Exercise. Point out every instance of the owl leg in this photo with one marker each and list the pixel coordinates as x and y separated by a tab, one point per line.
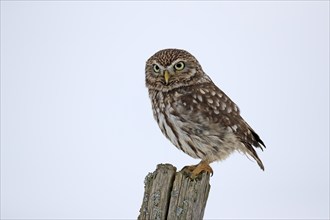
195	170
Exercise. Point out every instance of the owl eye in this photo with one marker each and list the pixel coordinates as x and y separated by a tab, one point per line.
156	68
179	66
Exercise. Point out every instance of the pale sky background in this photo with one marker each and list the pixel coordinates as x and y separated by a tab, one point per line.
77	132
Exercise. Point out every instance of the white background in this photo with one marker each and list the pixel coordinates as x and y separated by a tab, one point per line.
77	132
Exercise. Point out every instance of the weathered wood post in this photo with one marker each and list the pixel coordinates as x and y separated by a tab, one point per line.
174	195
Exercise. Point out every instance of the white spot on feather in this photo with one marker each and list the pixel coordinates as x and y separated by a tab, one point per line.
223	106
200	98
234	127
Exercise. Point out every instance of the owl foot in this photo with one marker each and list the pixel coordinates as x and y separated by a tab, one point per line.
194	170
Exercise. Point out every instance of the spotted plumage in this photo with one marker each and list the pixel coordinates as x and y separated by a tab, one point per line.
193	113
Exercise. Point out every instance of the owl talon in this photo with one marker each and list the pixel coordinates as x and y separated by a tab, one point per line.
195	170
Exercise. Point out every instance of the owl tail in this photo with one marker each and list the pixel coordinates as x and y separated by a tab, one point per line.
257	142
251	152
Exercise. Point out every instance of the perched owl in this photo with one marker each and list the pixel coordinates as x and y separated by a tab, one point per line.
193	113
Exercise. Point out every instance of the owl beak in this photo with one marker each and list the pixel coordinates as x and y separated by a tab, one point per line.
166	76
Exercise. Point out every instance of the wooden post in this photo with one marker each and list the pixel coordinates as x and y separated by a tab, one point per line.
173	195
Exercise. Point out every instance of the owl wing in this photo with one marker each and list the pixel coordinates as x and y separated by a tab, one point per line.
211	109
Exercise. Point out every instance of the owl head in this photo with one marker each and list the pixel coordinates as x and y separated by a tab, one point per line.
173	68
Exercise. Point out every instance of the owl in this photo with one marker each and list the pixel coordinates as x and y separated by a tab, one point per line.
194	114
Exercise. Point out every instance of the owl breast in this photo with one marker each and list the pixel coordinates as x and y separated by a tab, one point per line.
179	117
